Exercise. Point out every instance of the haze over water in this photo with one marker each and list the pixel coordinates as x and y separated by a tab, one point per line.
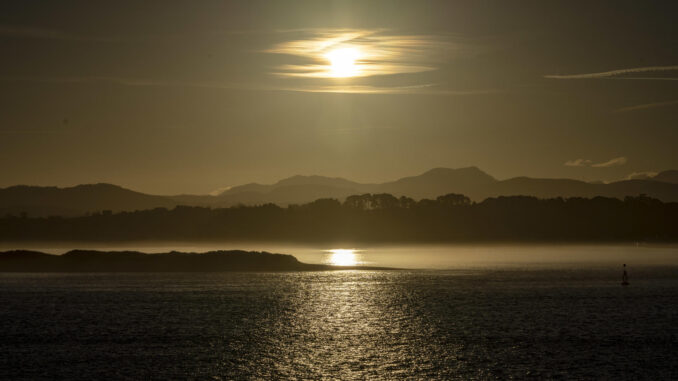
431	257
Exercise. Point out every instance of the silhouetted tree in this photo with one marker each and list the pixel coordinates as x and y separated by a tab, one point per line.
453	199
406	202
373	217
359	202
384	201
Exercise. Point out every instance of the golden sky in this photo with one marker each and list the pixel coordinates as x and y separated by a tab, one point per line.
171	97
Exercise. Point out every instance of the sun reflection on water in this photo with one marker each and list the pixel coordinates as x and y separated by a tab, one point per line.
343	257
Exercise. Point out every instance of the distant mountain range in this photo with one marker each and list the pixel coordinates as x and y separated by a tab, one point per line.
77	200
471	181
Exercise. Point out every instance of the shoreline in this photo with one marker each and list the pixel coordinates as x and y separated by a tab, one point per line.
173	261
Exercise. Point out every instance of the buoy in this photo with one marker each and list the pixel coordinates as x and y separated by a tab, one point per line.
625	277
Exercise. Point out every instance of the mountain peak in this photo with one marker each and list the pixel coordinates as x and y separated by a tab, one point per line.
668	176
315	180
470	171
100	186
439	181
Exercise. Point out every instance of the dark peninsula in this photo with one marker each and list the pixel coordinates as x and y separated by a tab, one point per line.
134	261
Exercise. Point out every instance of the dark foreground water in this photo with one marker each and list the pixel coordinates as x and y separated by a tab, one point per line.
473	324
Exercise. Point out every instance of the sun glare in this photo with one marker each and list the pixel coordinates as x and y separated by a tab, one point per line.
343	257
343	62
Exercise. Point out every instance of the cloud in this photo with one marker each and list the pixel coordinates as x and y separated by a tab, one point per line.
32	131
133	82
641	175
379	52
649	78
589	163
616	73
427	89
578	163
44	33
303	65
611	163
219	191
646	106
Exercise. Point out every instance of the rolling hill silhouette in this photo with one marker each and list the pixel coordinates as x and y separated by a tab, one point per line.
77	200
439	181
471	181
670	176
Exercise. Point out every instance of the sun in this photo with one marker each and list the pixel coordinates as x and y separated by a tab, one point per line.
343	257
343	62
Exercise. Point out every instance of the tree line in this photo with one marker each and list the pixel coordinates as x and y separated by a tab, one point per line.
373	218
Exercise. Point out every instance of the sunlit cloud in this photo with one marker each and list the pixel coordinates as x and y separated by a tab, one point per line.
578	163
641	175
19	31
428	89
618	72
648	78
353	61
219	191
425	89
359	53
122	81
589	163
611	163
646	106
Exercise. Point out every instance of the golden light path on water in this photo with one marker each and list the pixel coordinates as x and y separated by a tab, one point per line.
343	257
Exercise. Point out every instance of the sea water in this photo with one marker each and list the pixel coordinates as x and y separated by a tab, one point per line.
483	320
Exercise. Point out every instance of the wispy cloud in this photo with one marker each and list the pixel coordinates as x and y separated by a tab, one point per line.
304	65
219	191
32	132
589	163
426	89
646	106
641	175
611	163
45	34
135	82
429	89
378	52
578	163
649	78
617	73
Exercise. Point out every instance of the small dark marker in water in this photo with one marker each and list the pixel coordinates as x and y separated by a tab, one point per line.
625	277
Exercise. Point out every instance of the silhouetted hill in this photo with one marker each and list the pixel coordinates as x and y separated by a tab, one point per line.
295	189
551	188
542	188
471	181
133	261
667	192
670	176
302	189
439	181
77	200
295	181
285	195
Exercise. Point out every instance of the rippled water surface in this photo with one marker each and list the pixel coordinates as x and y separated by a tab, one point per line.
575	323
